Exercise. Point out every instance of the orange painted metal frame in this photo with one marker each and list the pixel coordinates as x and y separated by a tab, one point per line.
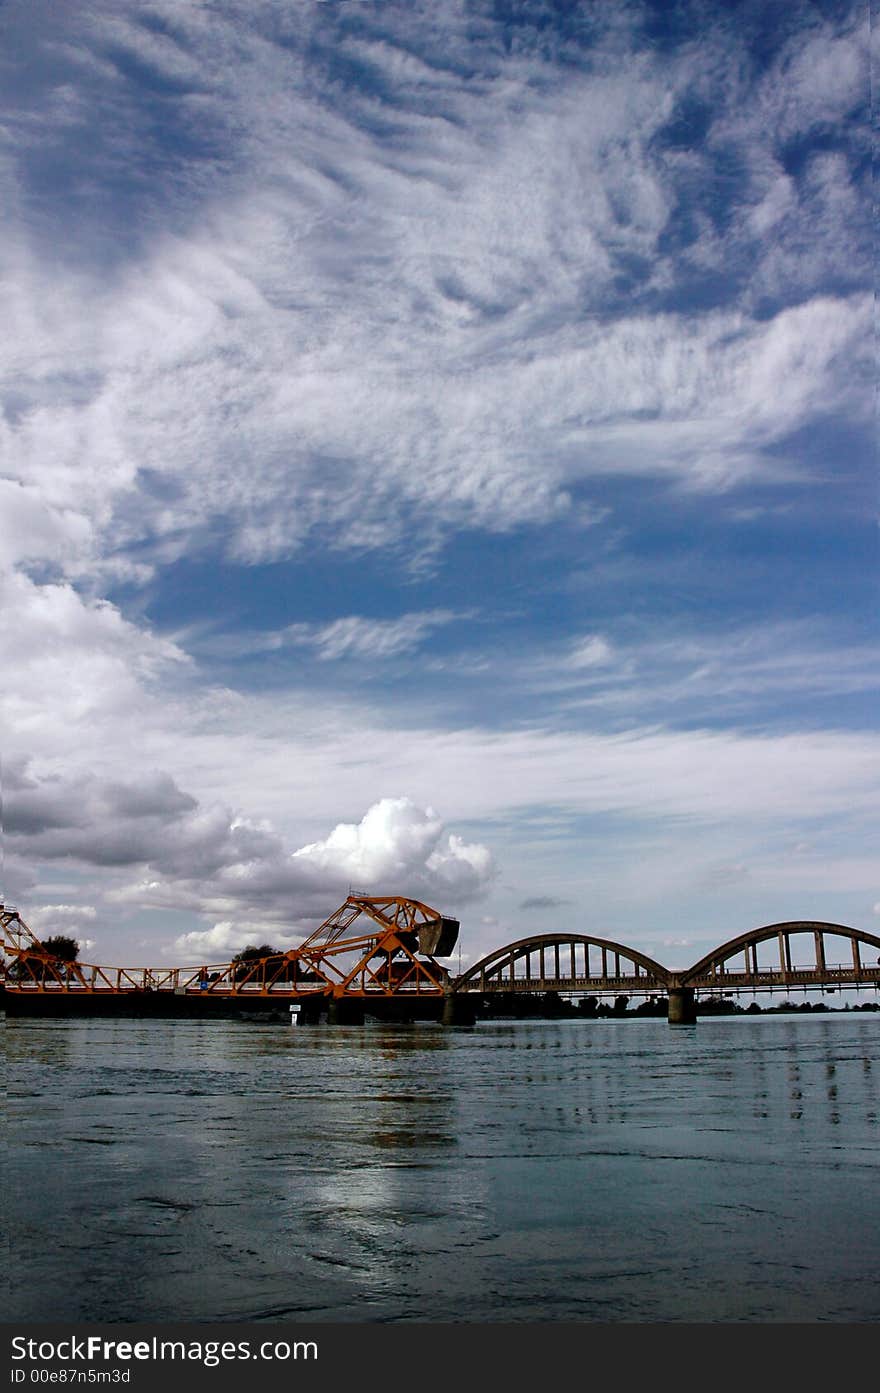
333	961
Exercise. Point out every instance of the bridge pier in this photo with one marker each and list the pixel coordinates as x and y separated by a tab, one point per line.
457	1010
682	1006
345	1010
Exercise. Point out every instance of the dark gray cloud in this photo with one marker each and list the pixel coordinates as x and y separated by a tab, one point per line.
207	857
543	902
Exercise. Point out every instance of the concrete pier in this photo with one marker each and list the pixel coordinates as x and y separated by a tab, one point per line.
345	1011
682	1006
457	1010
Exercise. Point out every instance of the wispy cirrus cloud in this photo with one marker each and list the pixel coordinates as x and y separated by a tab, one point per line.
758	673
396	310
350	636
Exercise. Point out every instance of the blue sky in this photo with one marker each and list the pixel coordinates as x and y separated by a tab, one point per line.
439	460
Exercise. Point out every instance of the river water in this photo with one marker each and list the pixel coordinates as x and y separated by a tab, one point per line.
604	1171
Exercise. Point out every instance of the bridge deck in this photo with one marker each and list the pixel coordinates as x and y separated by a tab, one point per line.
392	958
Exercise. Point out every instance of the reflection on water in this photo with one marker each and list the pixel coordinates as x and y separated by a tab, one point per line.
528	1171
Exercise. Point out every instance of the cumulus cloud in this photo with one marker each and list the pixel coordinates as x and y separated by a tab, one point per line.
78	663
213	860
53	915
223	940
696	775
397	842
71	920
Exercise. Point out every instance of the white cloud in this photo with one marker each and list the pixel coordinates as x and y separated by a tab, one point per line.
699	776
778	201
32	530
350	636
819	81
71	920
77	663
399	843
51	915
353	636
223	940
182	797
592	651
390	331
209	859
756	672
350	441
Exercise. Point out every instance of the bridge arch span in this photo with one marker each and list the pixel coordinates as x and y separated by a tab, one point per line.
715	964
602	969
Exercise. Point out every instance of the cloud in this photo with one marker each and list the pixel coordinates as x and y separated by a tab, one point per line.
684	676
349	636
78	663
375	639
203	811
391	297
55	914
223	940
71	920
592	651
701	777
113	824
543	902
347	447
399	843
817	80
31	529
797	132
213	860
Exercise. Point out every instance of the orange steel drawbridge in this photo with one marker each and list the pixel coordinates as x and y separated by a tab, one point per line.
382	952
370	948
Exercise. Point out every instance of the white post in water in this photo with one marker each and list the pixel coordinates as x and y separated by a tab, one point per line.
294	1013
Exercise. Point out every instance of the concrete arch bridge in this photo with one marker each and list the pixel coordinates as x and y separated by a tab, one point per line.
382	955
797	953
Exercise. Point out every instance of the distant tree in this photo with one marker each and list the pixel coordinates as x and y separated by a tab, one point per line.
60	946
653	1006
31	964
620	1005
244	961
